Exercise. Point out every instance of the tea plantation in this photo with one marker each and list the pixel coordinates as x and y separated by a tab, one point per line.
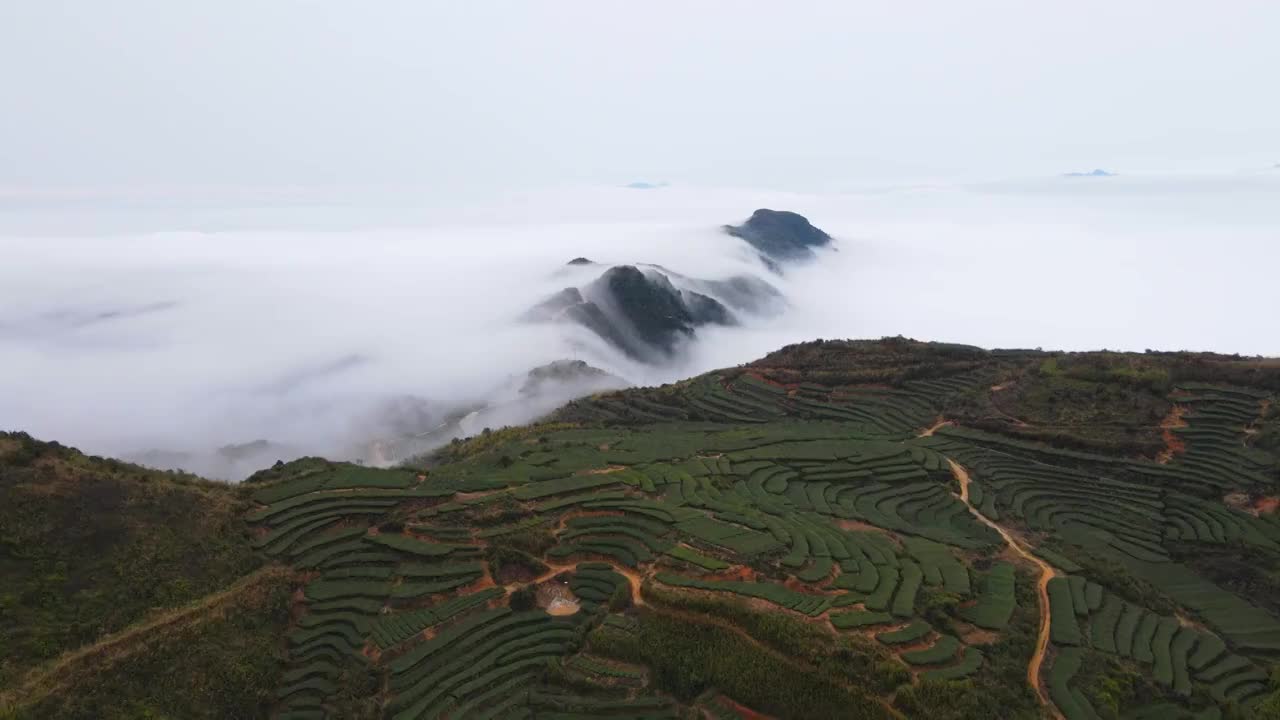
870	529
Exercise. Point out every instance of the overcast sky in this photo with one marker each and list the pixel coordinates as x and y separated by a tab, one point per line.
254	93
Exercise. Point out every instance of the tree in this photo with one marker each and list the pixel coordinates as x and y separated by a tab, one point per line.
523	599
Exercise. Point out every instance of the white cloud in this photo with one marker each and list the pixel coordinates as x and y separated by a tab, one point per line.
192	340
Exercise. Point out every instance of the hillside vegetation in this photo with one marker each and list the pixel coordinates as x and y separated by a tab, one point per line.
853	529
90	545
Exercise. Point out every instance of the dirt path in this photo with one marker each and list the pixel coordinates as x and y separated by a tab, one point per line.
60	672
1047	572
634	580
1017	421
929	431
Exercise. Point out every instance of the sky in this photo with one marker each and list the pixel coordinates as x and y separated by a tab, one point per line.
157	96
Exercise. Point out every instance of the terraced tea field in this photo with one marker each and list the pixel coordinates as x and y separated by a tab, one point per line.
538	573
839	530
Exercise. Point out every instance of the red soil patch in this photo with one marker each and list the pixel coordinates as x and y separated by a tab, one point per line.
601	471
977	636
741	572
928	641
742	711
793	583
771	381
635	580
1267	505
485	581
297	604
856	525
791	389
1173	445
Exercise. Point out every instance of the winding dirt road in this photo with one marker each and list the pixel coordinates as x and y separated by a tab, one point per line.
1047	572
57	674
634	579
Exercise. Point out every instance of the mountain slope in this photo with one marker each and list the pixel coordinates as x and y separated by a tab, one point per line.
214	658
840	529
90	545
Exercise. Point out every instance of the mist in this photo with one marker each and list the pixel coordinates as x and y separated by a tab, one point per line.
160	342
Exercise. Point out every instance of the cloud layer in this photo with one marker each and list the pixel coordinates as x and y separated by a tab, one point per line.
180	340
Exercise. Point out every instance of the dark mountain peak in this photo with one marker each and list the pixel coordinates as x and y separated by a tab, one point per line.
655	309
780	235
641	312
580	261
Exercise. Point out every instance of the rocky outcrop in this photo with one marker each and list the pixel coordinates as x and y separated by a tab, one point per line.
639	311
558	373
780	236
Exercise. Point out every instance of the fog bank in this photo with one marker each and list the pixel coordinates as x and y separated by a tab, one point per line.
321	324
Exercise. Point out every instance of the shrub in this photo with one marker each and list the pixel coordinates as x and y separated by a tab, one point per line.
621	598
522	599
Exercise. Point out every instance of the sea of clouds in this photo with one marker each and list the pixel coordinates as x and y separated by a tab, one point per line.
161	327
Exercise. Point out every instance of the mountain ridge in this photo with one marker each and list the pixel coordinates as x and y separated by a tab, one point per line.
658	514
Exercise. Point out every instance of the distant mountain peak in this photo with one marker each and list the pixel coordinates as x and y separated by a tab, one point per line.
780	236
1096	172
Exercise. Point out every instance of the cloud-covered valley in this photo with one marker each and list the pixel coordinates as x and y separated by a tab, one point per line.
343	328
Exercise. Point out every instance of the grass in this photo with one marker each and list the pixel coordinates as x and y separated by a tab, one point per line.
89	546
686	657
154	673
849	657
